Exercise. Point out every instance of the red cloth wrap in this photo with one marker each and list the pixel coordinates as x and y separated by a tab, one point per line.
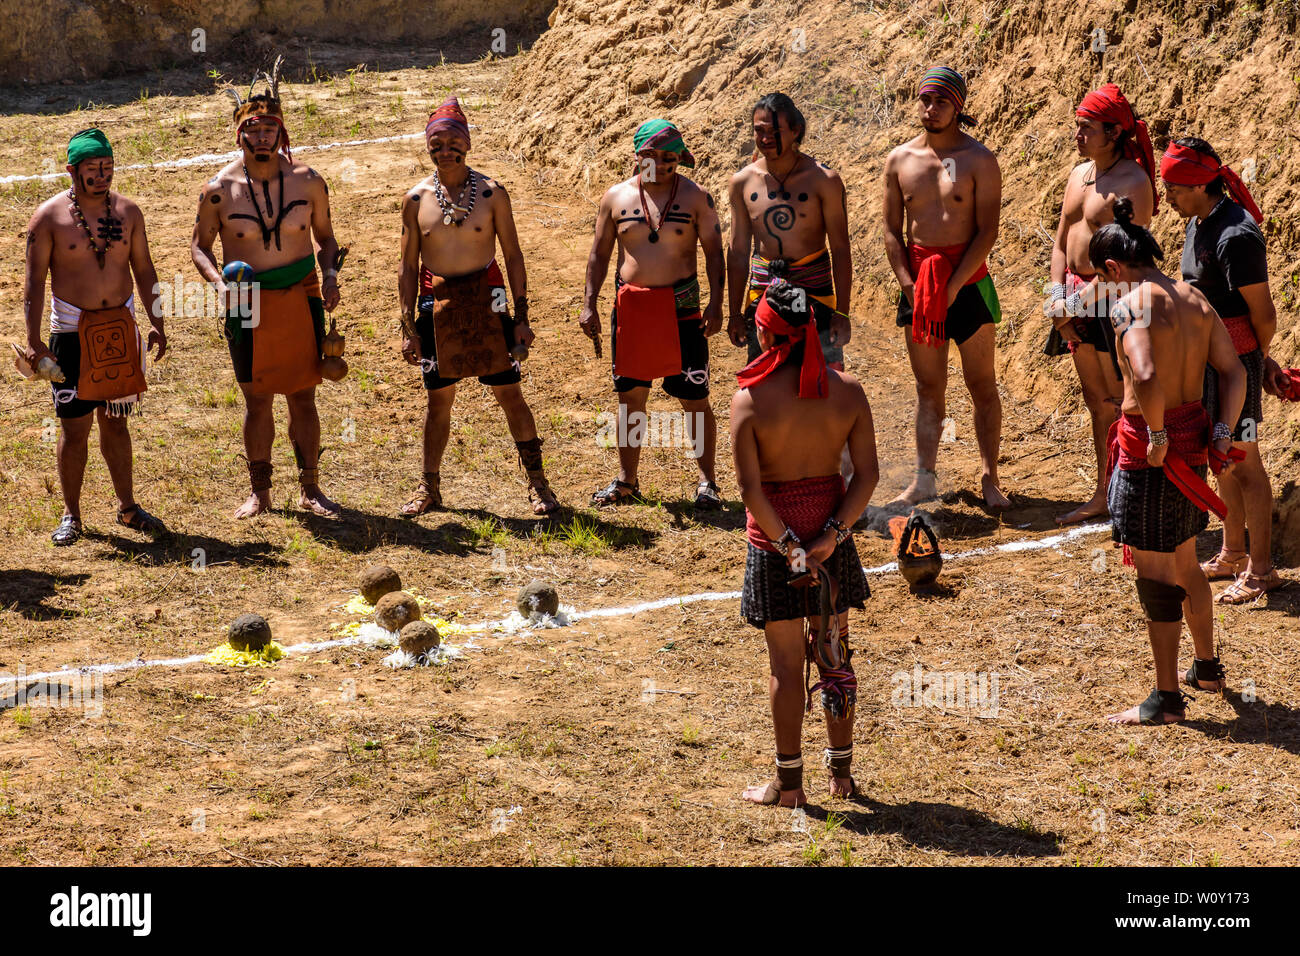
1242	333
1290	385
803	504
1108	105
812	374
932	267
1189	428
494	277
1183	166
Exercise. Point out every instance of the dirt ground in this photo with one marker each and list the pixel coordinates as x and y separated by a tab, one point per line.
623	740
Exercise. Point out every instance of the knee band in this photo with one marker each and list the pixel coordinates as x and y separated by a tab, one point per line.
1162	602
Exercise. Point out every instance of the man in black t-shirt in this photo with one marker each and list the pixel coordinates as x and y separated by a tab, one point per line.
1224	257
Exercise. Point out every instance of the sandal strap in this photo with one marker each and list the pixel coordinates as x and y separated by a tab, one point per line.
308	476
614	491
259	475
1152	710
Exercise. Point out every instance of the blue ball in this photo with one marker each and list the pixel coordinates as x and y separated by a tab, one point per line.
238	272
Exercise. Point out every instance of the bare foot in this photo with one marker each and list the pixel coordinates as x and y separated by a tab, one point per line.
257	502
843	787
993	496
768	795
1131	717
922	488
314	500
1095	507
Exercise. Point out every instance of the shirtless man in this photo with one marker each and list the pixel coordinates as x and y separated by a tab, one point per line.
91	280
787	206
266	209
1224	256
789	420
455	240
1166	332
950	188
658	218
1118	162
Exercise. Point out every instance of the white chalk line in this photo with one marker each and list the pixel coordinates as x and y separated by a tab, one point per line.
206	159
1024	544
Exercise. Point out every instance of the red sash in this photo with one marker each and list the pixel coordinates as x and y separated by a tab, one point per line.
1188	426
932	267
803	504
1242	333
648	346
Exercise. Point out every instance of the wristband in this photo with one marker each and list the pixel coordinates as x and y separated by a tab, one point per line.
1221	432
1074	305
786	542
836	525
1158	438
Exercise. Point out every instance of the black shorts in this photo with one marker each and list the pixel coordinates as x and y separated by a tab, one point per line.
968	313
66	347
1148	512
429	352
240	342
767	596
821	315
1252	411
692	383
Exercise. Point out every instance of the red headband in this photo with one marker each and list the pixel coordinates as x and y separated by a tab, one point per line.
1184	166
812	374
284	133
1108	105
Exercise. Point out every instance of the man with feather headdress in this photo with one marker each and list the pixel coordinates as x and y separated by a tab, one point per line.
267	209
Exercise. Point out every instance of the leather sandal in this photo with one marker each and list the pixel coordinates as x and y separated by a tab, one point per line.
1249	587
1223	566
428	496
68	531
541	497
141	520
616	493
1210	671
707	496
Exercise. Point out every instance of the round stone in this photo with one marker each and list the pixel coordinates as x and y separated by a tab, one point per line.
249	632
378	580
395	610
538	598
419	638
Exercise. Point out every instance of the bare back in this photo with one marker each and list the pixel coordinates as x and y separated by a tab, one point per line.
802	437
1176	344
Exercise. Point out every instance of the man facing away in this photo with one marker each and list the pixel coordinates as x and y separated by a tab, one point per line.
1118	162
1224	257
658	218
1166	332
93	333
789	420
943	195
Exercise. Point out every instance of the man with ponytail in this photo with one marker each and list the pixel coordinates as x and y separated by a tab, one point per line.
1224	257
1117	162
1165	335
789	420
943	195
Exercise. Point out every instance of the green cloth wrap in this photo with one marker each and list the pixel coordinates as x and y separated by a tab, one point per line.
661	134
88	144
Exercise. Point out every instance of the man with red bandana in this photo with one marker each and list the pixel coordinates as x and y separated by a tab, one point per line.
1224	257
451	224
1118	162
943	196
267	209
789	420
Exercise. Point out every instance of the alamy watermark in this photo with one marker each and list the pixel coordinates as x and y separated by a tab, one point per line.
947	690
651	430
83	692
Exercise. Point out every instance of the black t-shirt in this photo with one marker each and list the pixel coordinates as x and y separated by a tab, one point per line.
1223	252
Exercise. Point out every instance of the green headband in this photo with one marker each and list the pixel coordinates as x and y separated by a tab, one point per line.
661	134
88	144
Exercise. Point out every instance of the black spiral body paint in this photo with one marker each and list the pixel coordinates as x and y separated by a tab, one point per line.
779	218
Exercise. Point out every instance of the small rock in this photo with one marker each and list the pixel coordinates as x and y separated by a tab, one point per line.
378	580
419	638
395	610
249	632
538	598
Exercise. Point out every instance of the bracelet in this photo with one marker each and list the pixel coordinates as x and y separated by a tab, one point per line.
786	542
841	532
1074	305
1221	432
1158	438
330	274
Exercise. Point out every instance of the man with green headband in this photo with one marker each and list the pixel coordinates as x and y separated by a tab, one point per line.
658	219
267	209
91	243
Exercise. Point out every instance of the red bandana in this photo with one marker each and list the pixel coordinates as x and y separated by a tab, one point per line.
812	374
1183	166
1108	105
448	116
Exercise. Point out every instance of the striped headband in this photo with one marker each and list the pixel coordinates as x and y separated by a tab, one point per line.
946	82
